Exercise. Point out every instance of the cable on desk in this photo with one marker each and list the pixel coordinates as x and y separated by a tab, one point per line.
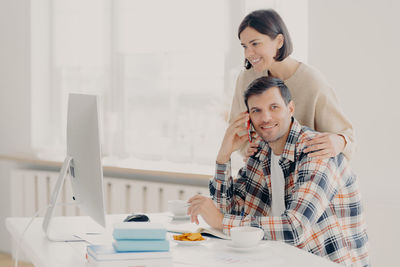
29	224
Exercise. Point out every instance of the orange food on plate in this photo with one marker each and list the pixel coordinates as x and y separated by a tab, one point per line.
189	237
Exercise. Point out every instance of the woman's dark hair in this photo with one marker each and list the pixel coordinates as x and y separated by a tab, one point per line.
268	22
262	84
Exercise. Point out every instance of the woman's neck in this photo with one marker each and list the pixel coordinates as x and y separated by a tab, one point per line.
284	69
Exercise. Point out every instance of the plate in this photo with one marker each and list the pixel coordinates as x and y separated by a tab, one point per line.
232	246
180	217
190	243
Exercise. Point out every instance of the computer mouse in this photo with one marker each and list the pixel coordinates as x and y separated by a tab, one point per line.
137	218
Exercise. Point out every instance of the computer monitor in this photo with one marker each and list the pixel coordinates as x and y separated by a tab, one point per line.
83	163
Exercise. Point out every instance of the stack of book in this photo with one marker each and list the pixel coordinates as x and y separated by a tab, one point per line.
136	243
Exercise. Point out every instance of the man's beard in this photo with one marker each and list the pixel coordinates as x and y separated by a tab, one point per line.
280	136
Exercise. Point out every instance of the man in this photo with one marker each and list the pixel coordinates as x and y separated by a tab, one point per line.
313	204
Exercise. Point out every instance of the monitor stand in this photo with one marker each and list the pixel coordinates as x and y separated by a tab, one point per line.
53	227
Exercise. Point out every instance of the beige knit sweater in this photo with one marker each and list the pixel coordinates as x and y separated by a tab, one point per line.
316	105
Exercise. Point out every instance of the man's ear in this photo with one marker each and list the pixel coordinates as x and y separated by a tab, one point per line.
291	107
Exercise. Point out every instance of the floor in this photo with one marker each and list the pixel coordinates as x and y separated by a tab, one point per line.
6	261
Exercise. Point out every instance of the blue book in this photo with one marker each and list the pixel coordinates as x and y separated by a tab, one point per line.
139	230
141	245
108	253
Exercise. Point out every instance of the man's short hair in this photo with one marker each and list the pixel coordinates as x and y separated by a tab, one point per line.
262	84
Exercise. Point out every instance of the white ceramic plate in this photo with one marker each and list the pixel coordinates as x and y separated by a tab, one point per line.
180	218
232	246
191	243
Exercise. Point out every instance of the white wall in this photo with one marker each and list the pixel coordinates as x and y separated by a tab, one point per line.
14	76
14	95
356	45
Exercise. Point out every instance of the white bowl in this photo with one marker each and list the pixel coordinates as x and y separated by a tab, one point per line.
246	236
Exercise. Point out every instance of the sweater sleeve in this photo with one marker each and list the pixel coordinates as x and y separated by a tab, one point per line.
238	100
238	106
329	117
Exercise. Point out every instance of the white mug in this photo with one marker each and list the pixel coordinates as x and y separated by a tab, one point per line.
178	207
246	236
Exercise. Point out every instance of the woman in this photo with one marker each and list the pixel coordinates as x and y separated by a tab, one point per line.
267	48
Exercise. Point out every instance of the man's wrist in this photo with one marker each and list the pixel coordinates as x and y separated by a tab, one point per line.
220	220
223	162
223	159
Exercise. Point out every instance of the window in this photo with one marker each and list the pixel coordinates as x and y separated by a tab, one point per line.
164	70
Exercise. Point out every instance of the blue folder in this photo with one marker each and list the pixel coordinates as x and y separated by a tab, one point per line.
141	245
139	230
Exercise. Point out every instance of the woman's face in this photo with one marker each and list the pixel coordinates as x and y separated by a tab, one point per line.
260	49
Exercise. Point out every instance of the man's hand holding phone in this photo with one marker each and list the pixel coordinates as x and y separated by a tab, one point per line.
249	133
254	139
232	141
251	149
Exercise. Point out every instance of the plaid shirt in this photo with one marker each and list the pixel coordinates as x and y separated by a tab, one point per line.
323	215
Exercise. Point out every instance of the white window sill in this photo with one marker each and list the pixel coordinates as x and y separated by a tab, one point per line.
126	166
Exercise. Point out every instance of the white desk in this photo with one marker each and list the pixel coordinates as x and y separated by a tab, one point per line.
214	252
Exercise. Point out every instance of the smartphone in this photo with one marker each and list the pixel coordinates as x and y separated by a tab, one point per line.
249	130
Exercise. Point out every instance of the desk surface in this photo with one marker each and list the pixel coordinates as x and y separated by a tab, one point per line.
214	252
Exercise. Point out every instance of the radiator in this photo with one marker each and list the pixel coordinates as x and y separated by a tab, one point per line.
31	190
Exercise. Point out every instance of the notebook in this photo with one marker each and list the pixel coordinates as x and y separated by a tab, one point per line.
193	228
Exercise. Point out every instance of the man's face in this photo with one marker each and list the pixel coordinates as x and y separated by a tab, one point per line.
270	116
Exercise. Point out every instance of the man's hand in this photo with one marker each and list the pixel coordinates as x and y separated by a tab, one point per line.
204	206
232	141
325	145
